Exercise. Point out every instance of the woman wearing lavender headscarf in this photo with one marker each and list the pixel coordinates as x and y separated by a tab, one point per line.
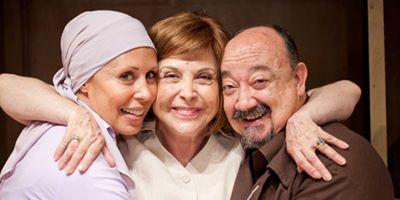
114	79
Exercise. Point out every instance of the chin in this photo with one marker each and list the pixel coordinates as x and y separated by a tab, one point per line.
127	130
189	130
254	141
256	136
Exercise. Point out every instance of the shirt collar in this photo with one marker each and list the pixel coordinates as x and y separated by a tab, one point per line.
212	152
278	159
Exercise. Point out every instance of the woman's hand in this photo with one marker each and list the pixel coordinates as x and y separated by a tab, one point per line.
302	135
81	144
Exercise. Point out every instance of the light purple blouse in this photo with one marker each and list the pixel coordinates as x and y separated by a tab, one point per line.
88	42
32	173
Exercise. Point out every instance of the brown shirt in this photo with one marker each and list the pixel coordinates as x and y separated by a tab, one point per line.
363	177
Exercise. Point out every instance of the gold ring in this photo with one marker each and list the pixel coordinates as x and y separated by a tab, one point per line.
320	142
77	138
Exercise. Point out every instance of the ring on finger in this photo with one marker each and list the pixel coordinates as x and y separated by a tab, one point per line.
319	143
77	138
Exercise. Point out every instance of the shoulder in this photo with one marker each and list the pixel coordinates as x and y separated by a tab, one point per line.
99	182
37	174
34	171
364	176
360	151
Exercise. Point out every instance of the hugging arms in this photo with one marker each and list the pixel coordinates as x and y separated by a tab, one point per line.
28	99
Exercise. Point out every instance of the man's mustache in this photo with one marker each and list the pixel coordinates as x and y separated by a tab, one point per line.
259	109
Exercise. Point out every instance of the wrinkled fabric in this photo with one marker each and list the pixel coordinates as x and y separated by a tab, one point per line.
88	42
364	176
91	40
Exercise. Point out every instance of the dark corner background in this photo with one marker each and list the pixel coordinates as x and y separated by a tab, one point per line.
332	36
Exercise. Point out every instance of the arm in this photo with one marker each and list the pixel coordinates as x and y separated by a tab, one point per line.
333	102
27	99
339	98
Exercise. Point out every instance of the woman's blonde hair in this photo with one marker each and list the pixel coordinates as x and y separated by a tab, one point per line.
186	32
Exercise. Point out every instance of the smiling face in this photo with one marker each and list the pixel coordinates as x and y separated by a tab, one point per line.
188	93
123	90
261	90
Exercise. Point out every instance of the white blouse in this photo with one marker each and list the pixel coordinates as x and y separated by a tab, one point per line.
159	175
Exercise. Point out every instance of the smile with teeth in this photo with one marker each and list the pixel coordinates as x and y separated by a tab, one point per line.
254	116
257	114
186	111
132	111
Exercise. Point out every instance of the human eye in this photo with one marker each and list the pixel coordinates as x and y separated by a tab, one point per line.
127	76
170	76
205	78
151	75
260	83
228	88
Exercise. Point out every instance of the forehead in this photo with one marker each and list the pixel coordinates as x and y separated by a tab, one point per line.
140	58
254	48
203	58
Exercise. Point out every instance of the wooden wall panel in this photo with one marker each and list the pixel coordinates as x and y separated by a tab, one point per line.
377	77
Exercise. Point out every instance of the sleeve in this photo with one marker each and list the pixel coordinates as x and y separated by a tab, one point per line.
355	180
340	187
99	182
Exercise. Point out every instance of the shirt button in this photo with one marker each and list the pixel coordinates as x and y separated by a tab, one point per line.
186	179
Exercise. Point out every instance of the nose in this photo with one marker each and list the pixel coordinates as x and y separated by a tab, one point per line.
245	100
188	90
143	91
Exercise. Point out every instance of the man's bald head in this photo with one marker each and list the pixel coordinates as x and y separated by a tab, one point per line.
268	35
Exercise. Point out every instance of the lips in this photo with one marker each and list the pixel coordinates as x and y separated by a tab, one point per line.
257	114
252	114
135	112
186	111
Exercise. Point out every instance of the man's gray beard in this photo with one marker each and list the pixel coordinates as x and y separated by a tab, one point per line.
248	143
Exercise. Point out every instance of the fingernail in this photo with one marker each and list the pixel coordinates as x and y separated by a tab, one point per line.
345	145
80	168
56	157
60	165
342	161
327	177
68	170
298	170
317	175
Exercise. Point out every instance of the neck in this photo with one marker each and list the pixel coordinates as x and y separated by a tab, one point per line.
183	147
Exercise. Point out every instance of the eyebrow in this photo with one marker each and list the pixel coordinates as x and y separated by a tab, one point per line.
177	69
225	73
213	70
118	68
167	67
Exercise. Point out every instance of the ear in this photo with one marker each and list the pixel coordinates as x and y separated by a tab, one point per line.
301	78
